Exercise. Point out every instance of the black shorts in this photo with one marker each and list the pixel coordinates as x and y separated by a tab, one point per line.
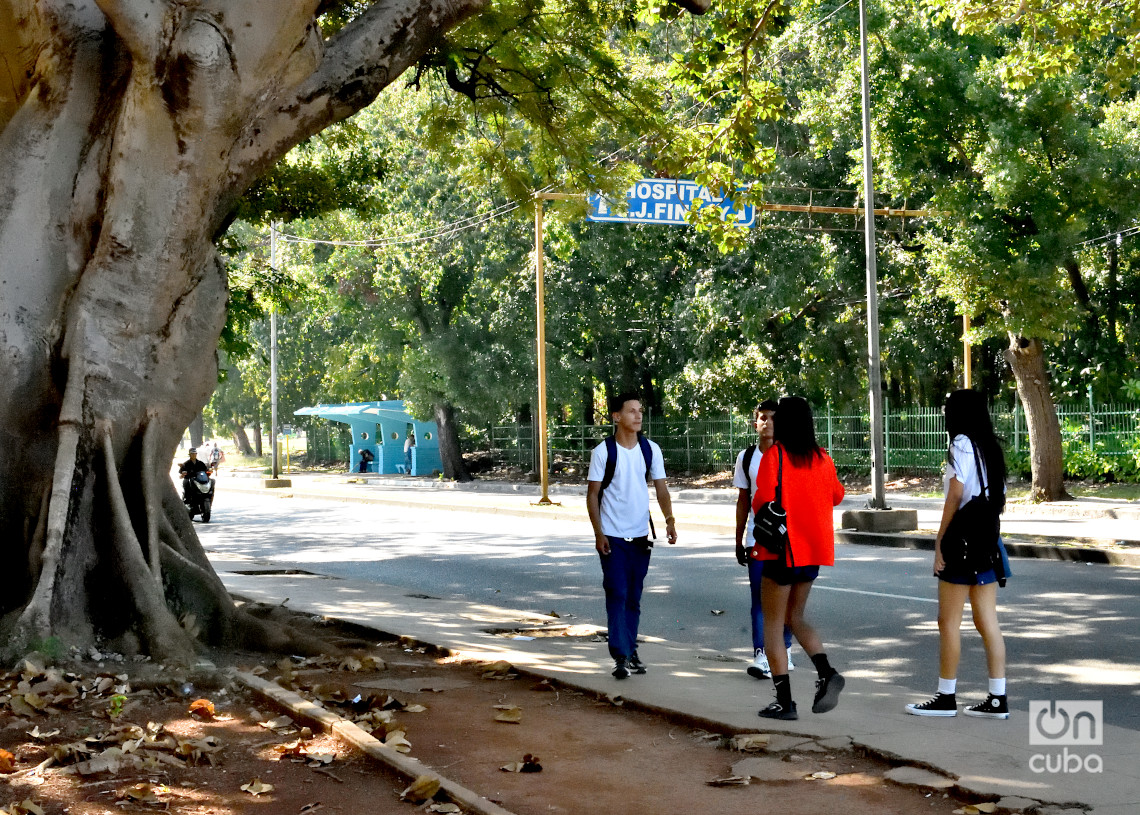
783	575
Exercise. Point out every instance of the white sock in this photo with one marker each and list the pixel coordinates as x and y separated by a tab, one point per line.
947	686
997	686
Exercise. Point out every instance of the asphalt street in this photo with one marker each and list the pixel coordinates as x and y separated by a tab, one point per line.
1071	629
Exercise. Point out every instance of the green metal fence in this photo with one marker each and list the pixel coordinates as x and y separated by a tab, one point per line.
914	438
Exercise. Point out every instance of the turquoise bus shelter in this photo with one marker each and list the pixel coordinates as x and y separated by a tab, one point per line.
382	428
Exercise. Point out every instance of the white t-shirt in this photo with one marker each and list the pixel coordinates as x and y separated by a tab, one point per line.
964	470
625	502
741	483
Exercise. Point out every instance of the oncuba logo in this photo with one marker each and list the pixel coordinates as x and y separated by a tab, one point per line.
1064	724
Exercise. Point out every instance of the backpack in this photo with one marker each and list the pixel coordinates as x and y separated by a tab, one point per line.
749	452
611	467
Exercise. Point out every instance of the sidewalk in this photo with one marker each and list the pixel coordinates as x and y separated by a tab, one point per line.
983	757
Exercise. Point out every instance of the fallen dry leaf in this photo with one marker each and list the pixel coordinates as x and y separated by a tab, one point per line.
823	775
202	708
750	742
25	807
446	808
397	742
529	764
293	748
280	723
40	735
143	793
110	760
415	709
510	714
988	806
320	759
730	781
256	787
422	789
7	762
496	670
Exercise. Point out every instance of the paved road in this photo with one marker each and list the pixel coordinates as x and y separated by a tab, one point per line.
1072	629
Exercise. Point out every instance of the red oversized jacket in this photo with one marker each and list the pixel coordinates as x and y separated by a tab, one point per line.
808	495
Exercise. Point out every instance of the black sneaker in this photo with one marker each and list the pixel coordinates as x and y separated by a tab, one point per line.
827	693
995	707
777	711
635	664
943	704
621	668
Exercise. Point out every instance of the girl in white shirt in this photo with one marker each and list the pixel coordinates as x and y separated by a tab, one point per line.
974	451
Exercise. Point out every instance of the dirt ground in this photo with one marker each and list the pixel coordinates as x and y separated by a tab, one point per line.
115	735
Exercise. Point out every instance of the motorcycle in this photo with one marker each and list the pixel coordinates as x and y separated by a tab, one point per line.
199	496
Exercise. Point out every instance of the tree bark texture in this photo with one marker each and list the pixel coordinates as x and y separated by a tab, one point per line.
128	128
450	453
1027	360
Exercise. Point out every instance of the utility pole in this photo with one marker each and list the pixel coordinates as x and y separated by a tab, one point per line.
276	464
878	497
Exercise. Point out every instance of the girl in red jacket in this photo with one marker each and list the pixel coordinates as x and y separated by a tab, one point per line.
809	490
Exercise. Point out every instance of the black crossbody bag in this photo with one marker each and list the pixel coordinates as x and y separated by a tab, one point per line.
770	526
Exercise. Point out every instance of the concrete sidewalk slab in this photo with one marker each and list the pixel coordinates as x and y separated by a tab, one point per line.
990	758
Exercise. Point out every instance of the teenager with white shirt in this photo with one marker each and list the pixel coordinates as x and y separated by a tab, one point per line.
973	447
619	514
744	479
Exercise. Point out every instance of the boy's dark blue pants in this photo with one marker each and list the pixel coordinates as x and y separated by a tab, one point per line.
623	578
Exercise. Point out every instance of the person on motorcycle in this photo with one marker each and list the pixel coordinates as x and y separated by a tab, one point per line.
190	468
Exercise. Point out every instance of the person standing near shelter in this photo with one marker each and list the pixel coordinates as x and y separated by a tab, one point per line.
975	466
617	501
744	479
409	443
809	490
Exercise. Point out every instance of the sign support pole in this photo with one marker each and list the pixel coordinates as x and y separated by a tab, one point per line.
540	332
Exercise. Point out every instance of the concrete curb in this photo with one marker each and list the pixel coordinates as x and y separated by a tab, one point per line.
404	766
1066	549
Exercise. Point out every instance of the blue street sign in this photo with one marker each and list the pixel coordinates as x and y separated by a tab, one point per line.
666	201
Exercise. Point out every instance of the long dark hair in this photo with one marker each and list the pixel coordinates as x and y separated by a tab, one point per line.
967	415
795	430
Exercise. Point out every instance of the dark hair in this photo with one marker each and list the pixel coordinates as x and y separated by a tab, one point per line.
967	415
795	430
618	402
767	404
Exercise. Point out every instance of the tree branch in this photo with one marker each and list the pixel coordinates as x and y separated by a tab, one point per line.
139	24
359	62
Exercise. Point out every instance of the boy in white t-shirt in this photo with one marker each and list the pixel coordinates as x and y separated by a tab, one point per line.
619	513
744	479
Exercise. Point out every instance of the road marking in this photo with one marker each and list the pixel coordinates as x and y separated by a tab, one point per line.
880	594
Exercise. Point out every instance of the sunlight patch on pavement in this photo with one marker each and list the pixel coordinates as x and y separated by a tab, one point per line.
1095	671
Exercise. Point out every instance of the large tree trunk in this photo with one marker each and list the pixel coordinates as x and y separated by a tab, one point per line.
241	439
197	431
1027	359
450	452
257	440
128	128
